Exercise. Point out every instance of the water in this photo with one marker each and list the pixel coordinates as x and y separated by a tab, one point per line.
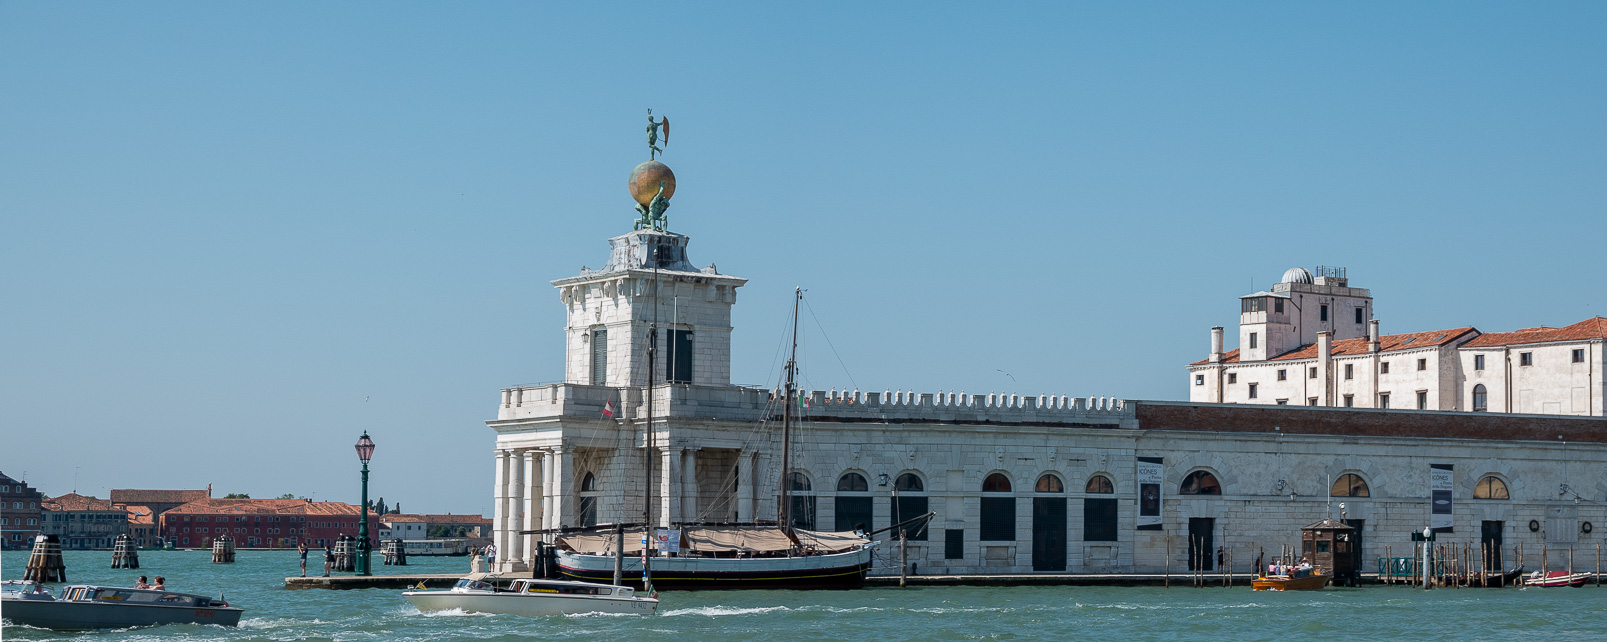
255	582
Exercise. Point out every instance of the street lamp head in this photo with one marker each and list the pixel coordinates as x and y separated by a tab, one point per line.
365	447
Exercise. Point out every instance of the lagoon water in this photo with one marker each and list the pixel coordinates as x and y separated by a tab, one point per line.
256	583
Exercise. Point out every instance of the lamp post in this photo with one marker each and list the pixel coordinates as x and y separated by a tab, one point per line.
365	450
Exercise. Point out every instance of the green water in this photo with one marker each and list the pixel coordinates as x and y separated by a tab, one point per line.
256	583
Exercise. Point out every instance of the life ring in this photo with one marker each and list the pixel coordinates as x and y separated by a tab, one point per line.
1534	525
1586	527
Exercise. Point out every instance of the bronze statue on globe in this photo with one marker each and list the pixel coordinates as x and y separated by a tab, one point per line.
652	183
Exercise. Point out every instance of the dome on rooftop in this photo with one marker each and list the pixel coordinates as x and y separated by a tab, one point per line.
1296	275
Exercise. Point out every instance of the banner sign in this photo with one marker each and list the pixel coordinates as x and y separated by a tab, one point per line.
1150	475
1439	497
669	540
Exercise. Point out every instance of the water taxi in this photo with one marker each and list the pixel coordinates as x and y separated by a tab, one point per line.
82	607
533	598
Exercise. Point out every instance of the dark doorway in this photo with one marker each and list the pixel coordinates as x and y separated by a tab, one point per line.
1048	533
1357	556
1491	543
853	513
1098	520
1201	544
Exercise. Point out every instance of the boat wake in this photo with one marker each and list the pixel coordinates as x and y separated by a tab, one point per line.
722	611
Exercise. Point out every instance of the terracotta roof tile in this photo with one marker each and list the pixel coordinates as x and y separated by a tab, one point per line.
214	506
76	502
141	496
1386	343
436	519
1592	328
1231	356
140	515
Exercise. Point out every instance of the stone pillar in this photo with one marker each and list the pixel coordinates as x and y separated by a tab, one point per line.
499	500
1325	356
530	494
744	506
563	508
509	547
549	510
668	500
689	487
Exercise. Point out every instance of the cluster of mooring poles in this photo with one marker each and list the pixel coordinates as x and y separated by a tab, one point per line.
124	553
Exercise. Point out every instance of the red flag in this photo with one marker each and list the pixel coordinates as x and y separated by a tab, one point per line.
608	409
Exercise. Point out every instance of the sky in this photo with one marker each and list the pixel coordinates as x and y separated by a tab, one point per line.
235	236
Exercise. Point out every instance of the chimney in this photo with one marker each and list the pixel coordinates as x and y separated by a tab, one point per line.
1372	336
1216	344
1325	346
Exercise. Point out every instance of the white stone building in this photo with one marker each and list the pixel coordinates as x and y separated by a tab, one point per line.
1313	342
1025	484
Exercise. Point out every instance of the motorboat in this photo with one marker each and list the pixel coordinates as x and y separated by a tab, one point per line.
1293	579
727	558
533	598
1556	579
83	606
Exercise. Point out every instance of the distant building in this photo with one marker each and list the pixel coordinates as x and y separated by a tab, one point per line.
262	523
1312	341
20	513
410	526
400	526
83	522
158	501
142	525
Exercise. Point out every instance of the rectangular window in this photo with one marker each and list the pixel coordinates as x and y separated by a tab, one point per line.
1099	519
1311	401
998	519
1199	380
1277	306
954	543
1383	400
1253	304
1478	362
1526	358
1383	367
1350	371
1579	355
1283	402
1324	312
678	364
1422	364
1252	340
1422	400
599	356
1313	374
1283	375
1253	388
854	513
1233	377
1358	316
1350	401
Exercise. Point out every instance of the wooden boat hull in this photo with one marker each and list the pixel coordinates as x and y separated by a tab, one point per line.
1280	583
836	571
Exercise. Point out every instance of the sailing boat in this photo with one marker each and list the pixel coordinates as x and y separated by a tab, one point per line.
729	557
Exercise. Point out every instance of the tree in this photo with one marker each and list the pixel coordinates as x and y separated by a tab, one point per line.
287	496
237	496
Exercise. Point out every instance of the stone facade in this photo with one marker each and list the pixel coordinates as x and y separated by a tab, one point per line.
1290	355
20	513
1062	492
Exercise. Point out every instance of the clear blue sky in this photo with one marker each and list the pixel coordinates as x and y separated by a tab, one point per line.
222	225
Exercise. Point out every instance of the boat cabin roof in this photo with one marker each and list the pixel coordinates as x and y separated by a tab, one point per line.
570	588
92	593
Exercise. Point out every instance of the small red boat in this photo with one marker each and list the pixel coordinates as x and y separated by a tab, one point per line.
1557	578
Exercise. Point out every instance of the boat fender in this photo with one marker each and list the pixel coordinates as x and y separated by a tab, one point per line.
1586	527
1534	525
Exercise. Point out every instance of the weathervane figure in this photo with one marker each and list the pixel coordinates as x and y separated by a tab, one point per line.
652	134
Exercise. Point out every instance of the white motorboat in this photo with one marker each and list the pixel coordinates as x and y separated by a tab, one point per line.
534	598
82	607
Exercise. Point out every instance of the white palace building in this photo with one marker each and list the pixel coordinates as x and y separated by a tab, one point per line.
1313	341
1055	484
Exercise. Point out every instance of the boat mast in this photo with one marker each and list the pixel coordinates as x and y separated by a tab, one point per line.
647	501
784	512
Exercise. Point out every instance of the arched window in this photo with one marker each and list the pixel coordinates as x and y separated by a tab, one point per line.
1350	485
1200	482
998	512
802	510
588	500
1491	487
1100	484
1050	483
908	506
1481	398
854	512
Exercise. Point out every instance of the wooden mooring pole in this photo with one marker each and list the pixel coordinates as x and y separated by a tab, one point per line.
903	557
1168	561
44	563
124	554
223	550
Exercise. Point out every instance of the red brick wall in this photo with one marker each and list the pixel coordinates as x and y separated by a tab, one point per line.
1366	422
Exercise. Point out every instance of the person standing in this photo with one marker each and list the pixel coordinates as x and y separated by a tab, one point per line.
490	556
302	548
329	559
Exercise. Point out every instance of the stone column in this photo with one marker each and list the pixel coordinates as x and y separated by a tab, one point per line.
668	502
549	510
744	505
689	487
509	547
499	500
563	507
528	511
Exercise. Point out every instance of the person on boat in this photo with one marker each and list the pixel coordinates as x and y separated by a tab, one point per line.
142	583
302	548
161	583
